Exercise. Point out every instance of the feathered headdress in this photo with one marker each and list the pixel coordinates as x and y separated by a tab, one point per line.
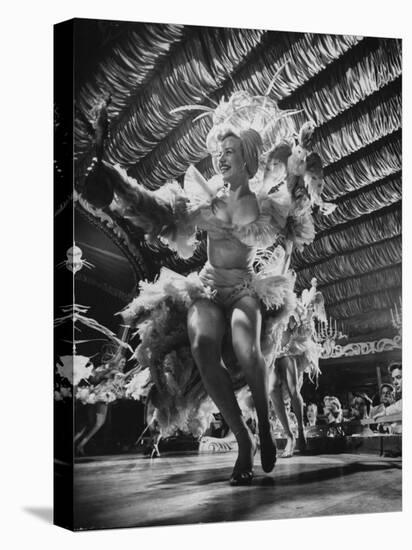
243	112
286	155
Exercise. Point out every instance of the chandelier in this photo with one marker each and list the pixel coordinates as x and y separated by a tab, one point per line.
333	341
328	333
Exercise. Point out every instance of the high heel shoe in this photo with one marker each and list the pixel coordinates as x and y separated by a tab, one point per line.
288	451
243	476
239	479
268	452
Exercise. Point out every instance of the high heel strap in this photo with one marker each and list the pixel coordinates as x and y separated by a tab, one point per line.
241	478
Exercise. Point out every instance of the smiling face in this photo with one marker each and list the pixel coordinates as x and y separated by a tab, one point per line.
231	161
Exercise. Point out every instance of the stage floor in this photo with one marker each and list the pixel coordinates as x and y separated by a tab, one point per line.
128	491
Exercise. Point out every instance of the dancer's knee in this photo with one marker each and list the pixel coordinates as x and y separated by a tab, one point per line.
249	357
205	351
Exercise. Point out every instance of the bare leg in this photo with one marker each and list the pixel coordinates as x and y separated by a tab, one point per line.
79	434
278	379
206	326
90	420
101	415
296	398
155	443
246	326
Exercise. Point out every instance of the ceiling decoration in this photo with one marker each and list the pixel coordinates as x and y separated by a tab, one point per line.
349	85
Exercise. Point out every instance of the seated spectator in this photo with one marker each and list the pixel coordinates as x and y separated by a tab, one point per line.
312	414
360	410
360	407
312	429
395	370
386	398
332	409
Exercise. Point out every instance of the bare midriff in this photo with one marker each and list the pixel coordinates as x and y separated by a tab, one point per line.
229	253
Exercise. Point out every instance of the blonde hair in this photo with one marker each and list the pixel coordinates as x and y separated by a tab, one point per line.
251	144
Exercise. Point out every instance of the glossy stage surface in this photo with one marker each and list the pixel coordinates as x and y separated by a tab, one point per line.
132	490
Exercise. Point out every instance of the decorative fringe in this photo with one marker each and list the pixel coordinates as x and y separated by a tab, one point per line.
173	156
375	197
362	304
371	230
131	64
364	260
190	75
382	162
303	59
369	322
359	129
186	144
347	86
356	286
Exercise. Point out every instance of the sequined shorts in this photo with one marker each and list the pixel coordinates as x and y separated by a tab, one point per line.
227	285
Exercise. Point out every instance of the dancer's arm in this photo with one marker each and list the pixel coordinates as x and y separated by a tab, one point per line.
164	213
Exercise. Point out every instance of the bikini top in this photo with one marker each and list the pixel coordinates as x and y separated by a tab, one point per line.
254	220
235	210
226	213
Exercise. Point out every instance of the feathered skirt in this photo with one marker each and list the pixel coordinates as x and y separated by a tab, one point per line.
106	391
300	342
159	314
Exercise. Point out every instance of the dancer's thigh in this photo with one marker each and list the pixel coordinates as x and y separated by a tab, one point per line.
291	373
246	325
206	324
101	412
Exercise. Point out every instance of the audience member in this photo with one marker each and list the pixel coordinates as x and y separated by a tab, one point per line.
312	428
360	407
332	409
386	398
312	414
360	410
395	370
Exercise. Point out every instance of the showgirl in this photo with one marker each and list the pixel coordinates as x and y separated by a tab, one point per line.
105	386
226	322
299	353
